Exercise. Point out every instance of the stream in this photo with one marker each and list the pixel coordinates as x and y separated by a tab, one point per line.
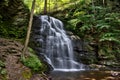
83	75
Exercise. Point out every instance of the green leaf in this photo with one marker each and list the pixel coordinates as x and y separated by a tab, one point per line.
85	27
103	26
110	39
3	71
2	64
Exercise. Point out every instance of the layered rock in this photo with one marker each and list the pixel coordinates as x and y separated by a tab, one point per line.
81	49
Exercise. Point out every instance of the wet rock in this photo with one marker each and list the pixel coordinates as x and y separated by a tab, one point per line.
36	41
80	48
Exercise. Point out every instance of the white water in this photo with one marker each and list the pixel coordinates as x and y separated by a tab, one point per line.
56	45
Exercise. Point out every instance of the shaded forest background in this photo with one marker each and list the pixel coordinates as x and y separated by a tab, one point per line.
96	22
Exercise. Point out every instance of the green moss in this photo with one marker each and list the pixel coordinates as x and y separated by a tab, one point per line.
3	72
4	77
27	74
33	62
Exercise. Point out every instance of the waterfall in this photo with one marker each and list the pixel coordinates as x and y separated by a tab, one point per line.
56	46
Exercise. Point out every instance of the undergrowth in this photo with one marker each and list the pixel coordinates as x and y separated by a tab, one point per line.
33	62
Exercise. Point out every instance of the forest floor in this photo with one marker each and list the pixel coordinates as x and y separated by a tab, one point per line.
13	69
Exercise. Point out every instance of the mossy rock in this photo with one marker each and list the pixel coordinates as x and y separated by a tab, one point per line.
27	74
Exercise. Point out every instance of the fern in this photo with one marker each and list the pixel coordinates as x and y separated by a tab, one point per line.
110	37
103	26
85	28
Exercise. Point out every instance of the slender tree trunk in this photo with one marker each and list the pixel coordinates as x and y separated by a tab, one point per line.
45	7
103	2
29	29
93	5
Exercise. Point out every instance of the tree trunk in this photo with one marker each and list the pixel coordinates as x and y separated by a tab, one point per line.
45	7
29	29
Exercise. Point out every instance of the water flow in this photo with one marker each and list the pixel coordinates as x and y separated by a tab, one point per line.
56	45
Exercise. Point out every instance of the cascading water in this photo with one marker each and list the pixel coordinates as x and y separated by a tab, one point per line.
56	45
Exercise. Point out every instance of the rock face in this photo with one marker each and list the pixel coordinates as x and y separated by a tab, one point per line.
35	35
87	54
81	49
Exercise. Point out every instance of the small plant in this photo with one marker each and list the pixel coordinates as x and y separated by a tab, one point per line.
33	62
2	66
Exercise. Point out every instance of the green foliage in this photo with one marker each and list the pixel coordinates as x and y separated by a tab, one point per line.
2	66
33	62
13	19
109	37
98	24
52	5
3	72
9	30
